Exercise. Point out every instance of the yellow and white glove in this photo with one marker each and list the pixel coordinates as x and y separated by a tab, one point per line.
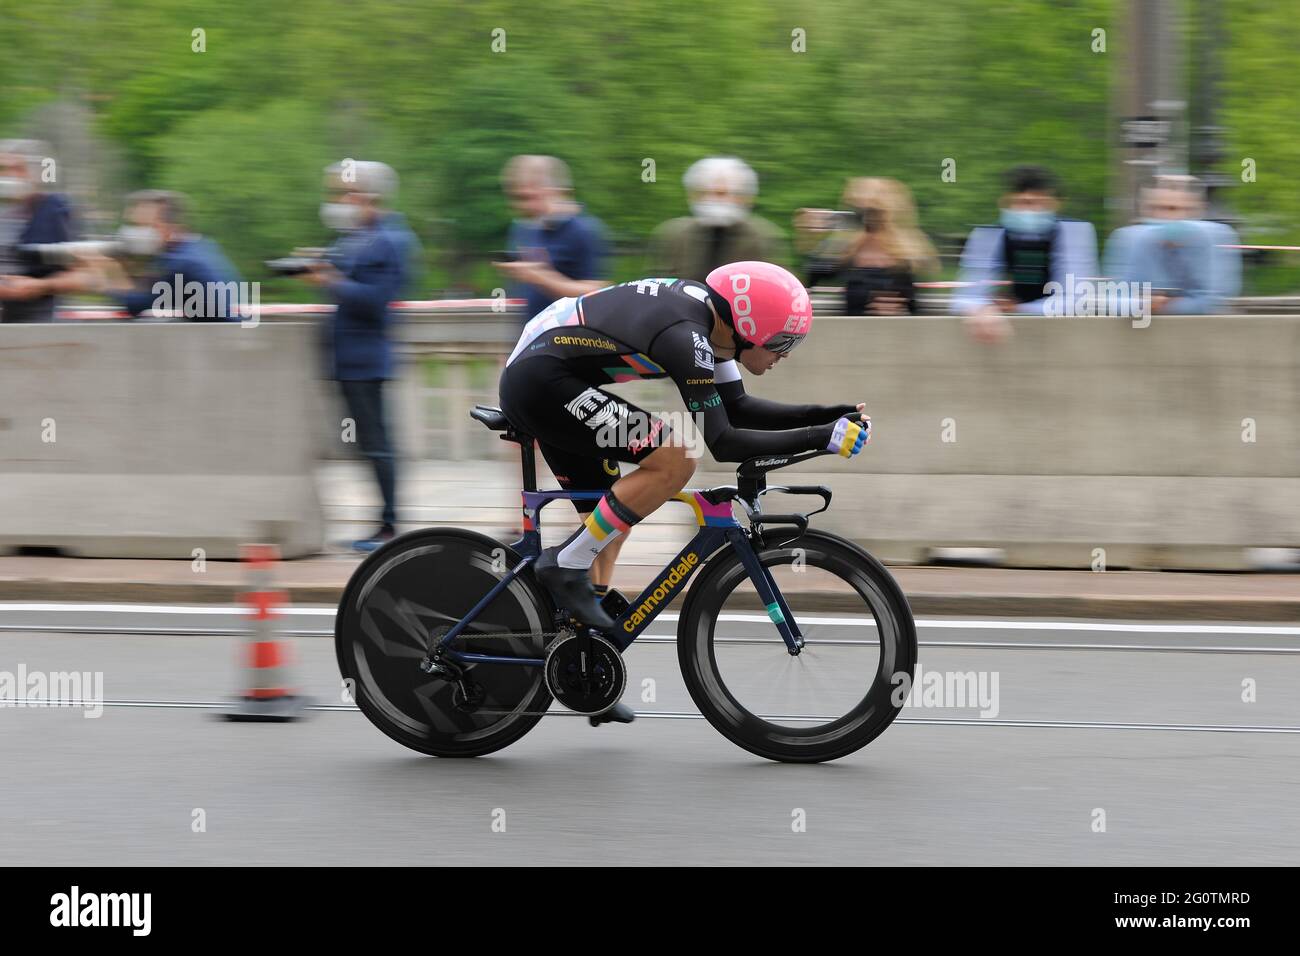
848	437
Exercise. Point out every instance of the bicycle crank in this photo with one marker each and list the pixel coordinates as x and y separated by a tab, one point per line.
585	673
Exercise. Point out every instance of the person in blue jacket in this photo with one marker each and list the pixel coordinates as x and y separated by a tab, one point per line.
1191	264
183	271
364	271
29	215
556	248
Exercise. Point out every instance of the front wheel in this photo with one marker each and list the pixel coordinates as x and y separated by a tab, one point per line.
847	683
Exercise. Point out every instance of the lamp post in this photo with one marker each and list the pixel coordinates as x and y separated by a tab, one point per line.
1151	104
1208	138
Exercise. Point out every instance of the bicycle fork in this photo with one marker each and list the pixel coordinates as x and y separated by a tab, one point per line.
770	595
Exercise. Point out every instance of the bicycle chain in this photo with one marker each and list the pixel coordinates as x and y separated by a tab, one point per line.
549	637
509	635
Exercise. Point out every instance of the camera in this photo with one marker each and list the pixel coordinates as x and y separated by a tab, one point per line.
67	253
291	265
303	260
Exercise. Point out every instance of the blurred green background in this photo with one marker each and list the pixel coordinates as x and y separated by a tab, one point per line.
887	88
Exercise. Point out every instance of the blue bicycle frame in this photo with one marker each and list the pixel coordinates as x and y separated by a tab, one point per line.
717	527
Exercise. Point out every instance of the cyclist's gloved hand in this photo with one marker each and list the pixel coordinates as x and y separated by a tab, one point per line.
848	437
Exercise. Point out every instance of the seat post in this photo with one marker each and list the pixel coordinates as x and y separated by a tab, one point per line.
527	456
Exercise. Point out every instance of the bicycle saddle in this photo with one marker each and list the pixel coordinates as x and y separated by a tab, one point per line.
493	418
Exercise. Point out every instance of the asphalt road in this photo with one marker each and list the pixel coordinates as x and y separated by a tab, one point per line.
1002	784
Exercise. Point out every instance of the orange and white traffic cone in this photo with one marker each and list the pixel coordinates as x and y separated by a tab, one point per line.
269	694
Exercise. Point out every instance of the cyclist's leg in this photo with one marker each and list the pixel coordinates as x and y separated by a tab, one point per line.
579	473
659	476
546	399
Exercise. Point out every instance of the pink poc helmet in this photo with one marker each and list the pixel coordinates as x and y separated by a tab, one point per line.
769	306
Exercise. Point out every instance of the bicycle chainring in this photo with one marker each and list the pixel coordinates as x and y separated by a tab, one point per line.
585	673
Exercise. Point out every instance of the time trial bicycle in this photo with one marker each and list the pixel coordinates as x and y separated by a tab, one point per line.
794	643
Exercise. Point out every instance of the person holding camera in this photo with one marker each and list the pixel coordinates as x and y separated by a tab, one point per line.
173	262
29	216
364	271
875	251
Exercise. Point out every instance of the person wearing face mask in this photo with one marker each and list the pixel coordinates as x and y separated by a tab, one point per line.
721	227
878	257
1188	261
1007	267
30	216
554	248
155	234
365	270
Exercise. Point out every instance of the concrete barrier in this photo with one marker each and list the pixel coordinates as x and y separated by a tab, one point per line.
1078	443
155	440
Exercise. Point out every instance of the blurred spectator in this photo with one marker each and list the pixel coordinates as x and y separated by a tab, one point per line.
556	249
1186	259
365	270
156	231
29	216
721	227
1008	266
1225	260
876	256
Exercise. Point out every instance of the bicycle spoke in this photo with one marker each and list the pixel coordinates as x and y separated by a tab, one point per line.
857	633
827	676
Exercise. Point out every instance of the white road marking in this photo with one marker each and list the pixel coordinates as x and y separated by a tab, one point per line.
308	610
793	718
937	623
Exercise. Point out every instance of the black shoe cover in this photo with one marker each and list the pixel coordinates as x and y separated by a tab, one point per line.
620	713
572	590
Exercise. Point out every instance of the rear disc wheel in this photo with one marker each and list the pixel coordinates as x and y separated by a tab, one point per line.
419	585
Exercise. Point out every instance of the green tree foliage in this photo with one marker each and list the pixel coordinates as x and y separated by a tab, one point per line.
888	88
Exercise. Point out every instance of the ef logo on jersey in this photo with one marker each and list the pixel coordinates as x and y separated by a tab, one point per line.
703	351
595	409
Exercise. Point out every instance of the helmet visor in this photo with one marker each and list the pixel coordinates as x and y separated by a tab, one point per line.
783	343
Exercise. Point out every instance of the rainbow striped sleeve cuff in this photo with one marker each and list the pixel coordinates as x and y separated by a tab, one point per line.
602	522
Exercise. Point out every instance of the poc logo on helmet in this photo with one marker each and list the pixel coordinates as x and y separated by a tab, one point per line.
741	306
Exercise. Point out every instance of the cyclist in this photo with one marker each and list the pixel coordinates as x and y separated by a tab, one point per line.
749	314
